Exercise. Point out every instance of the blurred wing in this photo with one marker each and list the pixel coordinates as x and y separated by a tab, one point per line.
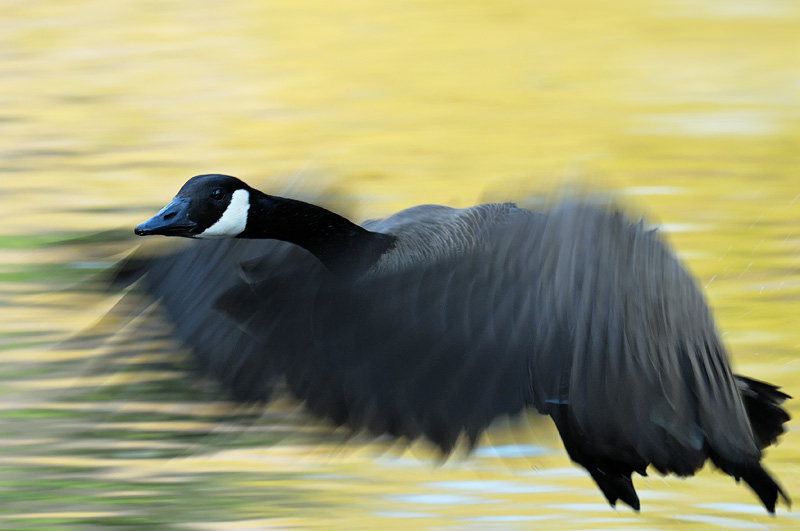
648	379
579	313
435	349
188	283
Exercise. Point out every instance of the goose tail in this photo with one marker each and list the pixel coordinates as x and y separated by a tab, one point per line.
763	404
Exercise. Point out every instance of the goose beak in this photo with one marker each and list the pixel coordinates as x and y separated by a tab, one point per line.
172	220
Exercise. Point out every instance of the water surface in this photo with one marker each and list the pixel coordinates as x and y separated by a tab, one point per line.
687	113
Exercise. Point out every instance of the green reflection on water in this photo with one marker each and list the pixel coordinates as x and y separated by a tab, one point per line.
686	112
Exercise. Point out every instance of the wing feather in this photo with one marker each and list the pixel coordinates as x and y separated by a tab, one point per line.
579	313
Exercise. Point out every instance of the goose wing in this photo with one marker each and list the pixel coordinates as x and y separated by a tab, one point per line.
579	313
432	349
188	282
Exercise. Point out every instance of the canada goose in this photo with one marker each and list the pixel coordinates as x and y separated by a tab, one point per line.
434	321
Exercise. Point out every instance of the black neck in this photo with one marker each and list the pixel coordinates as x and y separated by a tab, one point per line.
342	246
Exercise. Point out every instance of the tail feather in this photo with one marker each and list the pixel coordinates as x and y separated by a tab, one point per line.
763	401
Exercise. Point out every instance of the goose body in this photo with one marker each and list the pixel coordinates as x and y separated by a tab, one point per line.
434	321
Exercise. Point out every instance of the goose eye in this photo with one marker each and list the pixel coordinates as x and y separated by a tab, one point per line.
217	194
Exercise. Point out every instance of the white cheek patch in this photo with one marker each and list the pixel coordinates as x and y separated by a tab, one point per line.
233	221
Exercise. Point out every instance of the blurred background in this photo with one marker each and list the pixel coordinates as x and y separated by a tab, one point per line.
687	111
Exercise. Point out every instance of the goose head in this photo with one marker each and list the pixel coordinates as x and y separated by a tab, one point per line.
207	206
221	206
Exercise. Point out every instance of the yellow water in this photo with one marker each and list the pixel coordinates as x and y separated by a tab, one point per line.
686	111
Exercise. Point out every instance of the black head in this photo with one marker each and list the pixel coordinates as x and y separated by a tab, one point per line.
207	206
